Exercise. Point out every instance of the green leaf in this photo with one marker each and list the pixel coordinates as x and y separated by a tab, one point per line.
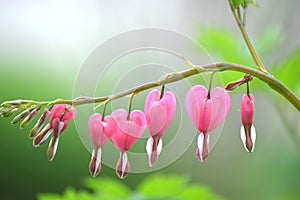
162	186
198	191
48	196
108	187
269	39
288	71
225	44
246	2
254	3
236	3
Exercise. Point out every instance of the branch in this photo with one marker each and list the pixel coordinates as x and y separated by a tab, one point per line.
177	76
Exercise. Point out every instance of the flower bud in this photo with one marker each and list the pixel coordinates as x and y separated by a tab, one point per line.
235	84
15	103
42	136
52	148
29	117
22	116
248	134
38	126
8	111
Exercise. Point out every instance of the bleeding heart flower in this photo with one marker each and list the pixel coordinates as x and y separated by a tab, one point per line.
59	120
206	111
128	131
100	132
159	113
248	134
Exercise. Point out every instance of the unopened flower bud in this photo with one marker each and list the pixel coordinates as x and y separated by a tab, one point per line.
38	126
51	152
248	134
8	111
29	117
235	84
15	103
42	136
22	116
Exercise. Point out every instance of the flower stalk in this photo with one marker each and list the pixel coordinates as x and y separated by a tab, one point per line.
241	24
273	83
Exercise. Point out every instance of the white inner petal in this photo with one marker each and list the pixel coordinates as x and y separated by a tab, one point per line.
45	137
253	136
149	146
243	137
200	145
98	159
159	146
60	127
124	162
55	147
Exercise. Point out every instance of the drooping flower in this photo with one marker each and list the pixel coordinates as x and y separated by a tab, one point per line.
206	111
248	134
100	132
159	113
128	131
60	116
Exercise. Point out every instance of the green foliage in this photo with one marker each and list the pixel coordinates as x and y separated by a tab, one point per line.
236	3
152	188
229	47
288	71
243	3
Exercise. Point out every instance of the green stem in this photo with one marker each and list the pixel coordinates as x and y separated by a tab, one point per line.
177	76
247	39
130	105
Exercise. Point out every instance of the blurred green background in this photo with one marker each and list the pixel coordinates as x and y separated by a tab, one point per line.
44	44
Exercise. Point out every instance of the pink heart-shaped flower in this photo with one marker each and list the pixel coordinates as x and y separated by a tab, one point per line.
101	131
128	131
207	114
159	112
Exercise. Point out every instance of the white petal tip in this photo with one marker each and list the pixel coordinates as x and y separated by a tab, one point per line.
248	141
153	151
203	149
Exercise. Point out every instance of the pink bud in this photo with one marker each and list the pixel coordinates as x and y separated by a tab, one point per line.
159	113
248	134
206	113
100	132
59	121
60	117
